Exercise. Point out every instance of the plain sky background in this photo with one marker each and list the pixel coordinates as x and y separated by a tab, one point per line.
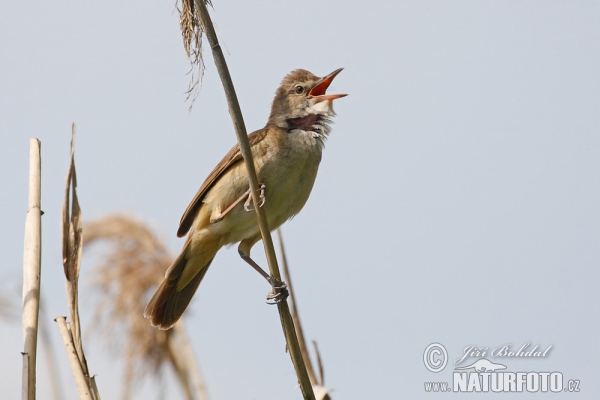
457	200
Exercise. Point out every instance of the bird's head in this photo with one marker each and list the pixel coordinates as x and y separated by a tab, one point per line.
301	102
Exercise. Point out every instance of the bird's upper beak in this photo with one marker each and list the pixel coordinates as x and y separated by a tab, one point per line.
318	91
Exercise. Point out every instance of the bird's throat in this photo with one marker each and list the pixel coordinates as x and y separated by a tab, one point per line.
304	123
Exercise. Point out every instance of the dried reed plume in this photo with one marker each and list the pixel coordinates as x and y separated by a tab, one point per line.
124	278
191	31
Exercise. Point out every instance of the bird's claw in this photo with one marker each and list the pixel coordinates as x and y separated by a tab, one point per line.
261	198
278	293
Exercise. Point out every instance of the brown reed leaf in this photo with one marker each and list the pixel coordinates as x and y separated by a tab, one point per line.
71	248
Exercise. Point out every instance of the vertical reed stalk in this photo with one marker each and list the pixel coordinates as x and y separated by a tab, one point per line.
50	356
192	368
295	315
25	381
242	136
32	269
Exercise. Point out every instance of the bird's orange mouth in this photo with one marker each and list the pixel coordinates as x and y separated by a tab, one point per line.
318	91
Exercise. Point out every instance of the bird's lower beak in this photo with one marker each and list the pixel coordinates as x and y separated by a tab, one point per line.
318	91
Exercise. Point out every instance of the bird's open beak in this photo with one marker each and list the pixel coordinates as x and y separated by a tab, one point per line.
318	91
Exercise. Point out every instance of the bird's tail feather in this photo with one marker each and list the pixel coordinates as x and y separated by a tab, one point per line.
168	304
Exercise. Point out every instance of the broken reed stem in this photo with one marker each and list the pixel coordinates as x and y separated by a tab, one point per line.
25	382
51	363
32	268
295	315
242	136
80	378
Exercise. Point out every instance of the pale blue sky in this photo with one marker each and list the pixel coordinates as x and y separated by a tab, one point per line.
457	200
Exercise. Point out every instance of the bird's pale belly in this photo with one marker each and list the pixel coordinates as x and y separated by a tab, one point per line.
288	182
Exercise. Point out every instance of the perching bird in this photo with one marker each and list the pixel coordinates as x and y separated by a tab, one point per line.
287	153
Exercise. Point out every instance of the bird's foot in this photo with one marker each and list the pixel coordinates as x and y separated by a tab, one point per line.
278	293
261	198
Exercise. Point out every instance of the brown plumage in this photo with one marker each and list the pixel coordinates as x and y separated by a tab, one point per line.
286	153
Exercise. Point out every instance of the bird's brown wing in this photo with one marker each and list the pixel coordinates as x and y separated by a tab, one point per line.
233	157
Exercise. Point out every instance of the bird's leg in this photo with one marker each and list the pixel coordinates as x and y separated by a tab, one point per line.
278	291
247	193
261	198
235	203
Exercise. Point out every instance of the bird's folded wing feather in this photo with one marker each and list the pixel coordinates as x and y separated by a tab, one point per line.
233	157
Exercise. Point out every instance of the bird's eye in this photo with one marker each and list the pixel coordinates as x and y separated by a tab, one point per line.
299	89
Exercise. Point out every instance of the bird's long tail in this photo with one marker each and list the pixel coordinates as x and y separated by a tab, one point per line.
181	282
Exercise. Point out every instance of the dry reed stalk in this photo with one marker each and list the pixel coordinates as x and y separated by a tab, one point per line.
71	249
81	381
242	137
187	354
8	314
318	384
294	311
25	380
127	273
321	391
32	269
48	348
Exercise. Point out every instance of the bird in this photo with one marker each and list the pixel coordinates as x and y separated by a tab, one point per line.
286	153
